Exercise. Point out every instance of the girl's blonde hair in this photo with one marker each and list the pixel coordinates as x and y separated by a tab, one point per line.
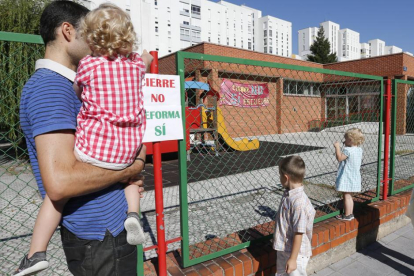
109	31
356	136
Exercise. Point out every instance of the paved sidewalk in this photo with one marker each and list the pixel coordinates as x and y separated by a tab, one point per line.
392	255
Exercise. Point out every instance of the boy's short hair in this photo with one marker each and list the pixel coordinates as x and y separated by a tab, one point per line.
356	136
294	167
108	30
55	14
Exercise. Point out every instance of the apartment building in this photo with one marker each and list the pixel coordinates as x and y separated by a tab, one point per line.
344	42
349	45
170	25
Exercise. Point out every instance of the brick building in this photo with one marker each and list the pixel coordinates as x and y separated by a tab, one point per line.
300	100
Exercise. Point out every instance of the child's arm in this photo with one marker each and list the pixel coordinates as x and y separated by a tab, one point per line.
338	153
147	58
78	90
291	264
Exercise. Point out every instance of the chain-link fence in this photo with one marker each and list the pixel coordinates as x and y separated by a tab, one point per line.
250	116
402	136
242	117
19	196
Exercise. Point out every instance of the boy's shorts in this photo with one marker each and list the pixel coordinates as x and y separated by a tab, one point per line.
281	260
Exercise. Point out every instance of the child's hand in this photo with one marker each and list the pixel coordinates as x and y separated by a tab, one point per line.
337	144
147	58
291	265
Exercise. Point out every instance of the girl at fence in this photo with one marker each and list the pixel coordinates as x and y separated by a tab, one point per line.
348	178
111	122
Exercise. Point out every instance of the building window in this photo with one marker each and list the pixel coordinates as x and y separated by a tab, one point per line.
303	48
270	41
195	9
270	33
270	50
242	43
156	29
265	33
235	43
228	42
265	41
209	39
156	2
218	40
249	45
186	23
265	50
169	51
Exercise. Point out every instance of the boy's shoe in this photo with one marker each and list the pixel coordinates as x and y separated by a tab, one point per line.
135	234
343	217
31	266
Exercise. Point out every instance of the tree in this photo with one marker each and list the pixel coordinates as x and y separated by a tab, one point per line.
320	49
17	61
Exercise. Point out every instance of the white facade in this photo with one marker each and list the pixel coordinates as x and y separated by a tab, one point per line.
377	47
392	50
365	50
306	37
331	30
349	46
228	24
274	36
170	25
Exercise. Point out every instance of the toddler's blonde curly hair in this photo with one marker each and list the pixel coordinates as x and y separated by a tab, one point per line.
356	136
108	30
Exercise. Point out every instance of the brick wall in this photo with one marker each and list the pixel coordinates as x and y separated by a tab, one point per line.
327	235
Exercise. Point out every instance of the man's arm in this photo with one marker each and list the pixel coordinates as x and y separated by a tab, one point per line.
65	177
291	264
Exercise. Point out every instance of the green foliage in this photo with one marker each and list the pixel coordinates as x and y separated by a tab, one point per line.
320	49
17	61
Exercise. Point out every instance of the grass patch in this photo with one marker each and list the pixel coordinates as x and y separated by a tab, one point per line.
401	152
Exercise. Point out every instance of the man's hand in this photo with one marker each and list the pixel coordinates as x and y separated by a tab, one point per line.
291	265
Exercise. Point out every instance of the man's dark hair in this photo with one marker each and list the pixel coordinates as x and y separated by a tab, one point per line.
58	12
294	166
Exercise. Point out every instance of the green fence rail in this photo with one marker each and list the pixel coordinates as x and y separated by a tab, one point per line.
402	137
237	133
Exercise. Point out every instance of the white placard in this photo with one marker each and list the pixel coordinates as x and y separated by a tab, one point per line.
162	102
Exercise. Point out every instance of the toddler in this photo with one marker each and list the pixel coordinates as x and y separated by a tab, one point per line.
348	179
294	220
111	122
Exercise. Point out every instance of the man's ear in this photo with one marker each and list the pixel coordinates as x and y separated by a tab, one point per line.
68	31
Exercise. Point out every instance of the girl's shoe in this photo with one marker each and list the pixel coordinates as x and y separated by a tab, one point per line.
32	265
135	234
343	217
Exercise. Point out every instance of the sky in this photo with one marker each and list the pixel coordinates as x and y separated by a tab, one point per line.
390	21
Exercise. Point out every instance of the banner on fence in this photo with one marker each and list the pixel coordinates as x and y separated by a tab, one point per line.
243	94
162	102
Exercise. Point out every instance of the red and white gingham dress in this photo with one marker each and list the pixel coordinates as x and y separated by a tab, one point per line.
111	121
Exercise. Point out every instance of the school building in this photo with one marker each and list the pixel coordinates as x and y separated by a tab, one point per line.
298	100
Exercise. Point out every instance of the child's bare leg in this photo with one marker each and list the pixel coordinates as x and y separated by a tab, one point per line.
47	220
132	197
135	233
348	204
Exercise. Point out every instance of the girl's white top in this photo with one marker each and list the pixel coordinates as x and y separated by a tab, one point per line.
348	178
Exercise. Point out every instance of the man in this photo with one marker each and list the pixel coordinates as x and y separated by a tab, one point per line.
93	235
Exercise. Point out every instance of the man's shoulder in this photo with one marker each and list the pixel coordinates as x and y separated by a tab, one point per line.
45	77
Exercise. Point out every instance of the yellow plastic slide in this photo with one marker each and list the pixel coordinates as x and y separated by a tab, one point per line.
240	145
